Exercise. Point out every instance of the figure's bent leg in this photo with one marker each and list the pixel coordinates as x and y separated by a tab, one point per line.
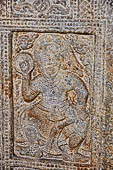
75	135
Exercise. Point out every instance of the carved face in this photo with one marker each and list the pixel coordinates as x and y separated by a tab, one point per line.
50	63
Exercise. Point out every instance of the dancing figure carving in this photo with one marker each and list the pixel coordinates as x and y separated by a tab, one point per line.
58	123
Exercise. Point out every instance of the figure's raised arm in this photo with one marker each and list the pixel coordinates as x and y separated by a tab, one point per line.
25	66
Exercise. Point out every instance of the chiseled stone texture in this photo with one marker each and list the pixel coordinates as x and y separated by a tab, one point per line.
56	84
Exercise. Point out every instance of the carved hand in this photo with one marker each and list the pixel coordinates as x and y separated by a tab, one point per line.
24	63
71	96
24	67
29	94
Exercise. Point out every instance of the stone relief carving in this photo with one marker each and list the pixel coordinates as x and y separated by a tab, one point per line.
85	27
42	7
54	121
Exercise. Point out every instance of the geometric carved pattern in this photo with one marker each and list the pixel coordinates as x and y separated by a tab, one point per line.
86	8
2	8
107	8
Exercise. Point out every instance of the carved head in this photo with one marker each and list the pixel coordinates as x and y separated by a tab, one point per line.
48	51
50	61
54	52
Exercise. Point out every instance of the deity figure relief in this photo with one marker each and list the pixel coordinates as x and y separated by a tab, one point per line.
59	120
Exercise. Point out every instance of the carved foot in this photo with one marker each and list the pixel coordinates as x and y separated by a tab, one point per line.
75	158
67	157
80	158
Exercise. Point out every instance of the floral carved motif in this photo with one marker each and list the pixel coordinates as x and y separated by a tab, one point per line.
42	7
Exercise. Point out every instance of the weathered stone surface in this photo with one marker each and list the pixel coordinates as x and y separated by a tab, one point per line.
56	84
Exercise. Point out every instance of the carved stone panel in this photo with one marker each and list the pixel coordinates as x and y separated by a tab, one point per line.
42	8
56	84
52	88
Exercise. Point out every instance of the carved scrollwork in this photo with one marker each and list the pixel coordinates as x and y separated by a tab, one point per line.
59	8
80	47
25	41
23	7
42	7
